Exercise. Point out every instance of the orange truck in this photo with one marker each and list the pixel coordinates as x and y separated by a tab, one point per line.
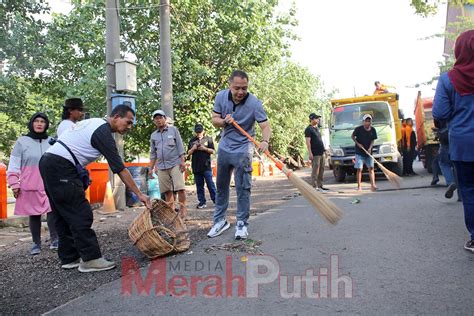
428	144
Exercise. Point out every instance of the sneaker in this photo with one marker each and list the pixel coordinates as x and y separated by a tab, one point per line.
35	250
434	182
71	265
54	245
324	189
201	206
96	265
449	193
241	231
318	189
218	228
469	245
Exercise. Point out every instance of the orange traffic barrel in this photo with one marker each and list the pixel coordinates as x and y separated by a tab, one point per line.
3	191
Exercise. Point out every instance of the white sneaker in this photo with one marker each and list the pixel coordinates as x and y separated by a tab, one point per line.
218	228
95	265
71	265
241	231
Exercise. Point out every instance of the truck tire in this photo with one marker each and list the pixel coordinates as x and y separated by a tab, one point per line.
396	168
339	173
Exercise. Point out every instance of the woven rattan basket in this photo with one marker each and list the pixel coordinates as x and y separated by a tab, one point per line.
159	231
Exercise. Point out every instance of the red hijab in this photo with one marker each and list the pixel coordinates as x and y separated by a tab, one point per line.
462	73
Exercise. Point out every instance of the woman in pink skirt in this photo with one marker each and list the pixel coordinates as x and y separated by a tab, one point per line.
24	179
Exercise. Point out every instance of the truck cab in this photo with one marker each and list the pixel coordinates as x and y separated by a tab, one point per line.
347	115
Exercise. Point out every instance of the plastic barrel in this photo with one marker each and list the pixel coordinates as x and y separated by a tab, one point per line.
140	176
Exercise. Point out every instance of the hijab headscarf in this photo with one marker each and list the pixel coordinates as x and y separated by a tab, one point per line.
32	133
462	73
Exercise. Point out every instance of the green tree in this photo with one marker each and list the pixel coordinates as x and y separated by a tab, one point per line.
209	39
426	8
289	93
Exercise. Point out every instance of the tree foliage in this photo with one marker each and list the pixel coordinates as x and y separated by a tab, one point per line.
290	93
426	8
65	57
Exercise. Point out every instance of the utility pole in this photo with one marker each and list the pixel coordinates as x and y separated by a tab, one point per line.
112	52
165	59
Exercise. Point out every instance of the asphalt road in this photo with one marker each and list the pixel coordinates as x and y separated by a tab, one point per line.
394	252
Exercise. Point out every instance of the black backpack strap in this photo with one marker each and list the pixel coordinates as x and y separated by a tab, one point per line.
73	156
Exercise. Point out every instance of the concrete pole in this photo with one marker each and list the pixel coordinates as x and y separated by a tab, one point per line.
112	52
165	59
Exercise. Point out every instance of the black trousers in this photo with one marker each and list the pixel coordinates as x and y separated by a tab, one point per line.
408	157
73	212
35	227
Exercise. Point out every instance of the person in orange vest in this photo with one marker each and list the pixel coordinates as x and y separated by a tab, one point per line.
408	148
381	88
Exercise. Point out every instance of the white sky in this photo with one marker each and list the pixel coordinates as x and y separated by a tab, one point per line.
352	43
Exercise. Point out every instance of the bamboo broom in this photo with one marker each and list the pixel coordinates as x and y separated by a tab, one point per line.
392	177
327	209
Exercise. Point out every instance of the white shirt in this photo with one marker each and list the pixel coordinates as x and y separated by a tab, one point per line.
64	125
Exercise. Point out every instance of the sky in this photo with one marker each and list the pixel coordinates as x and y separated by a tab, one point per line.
350	44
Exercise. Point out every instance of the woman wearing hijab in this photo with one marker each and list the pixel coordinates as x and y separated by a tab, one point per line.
454	103
24	179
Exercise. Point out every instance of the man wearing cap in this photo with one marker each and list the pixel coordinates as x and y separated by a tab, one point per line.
73	111
201	147
167	158
314	143
364	137
236	150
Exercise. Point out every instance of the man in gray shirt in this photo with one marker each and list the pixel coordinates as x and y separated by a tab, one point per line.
235	150
167	157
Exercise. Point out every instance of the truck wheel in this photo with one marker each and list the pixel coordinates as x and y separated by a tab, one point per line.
396	168
339	173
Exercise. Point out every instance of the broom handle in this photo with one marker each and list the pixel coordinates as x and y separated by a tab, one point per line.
277	162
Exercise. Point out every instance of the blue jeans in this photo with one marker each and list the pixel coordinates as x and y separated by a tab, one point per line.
445	164
241	164
199	178
465	175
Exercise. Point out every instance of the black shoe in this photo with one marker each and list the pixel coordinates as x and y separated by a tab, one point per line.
323	188
449	193
469	246
434	182
201	206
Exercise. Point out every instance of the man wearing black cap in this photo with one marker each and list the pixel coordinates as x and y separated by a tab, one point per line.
314	143
73	111
201	147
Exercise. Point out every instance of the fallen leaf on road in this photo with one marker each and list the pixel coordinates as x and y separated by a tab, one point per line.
249	246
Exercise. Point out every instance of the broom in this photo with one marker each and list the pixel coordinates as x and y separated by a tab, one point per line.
392	177
327	209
